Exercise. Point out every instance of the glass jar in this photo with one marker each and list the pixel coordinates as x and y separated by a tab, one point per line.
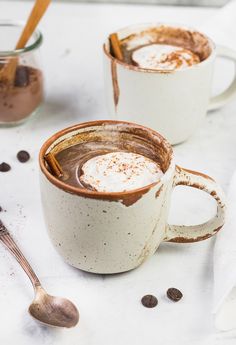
22	93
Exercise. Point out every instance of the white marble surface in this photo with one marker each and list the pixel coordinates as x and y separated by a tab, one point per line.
110	307
162	2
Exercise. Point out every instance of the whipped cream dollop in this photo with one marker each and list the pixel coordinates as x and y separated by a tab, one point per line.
119	172
164	57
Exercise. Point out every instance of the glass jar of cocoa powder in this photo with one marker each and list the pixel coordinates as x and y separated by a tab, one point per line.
21	78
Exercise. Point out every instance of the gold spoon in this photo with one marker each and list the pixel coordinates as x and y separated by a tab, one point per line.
49	310
8	72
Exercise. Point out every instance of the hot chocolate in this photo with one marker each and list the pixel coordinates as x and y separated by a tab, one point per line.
164	48
107	161
21	99
107	170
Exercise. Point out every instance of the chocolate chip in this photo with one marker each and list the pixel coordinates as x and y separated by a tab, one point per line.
174	294
149	301
1	209
4	167
23	156
22	76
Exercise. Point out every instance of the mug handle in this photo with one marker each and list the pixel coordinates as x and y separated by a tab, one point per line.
224	97
195	233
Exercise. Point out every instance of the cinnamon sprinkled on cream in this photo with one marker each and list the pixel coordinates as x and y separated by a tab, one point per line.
164	57
119	172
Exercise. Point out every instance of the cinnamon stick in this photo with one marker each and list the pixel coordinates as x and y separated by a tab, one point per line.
115	45
54	165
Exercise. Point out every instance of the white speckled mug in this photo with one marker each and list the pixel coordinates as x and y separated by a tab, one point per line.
174	103
115	232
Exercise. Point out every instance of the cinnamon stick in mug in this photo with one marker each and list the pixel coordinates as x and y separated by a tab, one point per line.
115	46
53	165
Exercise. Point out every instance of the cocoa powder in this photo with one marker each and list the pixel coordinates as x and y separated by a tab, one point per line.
20	100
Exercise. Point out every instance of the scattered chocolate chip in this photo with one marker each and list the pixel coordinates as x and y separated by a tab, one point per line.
22	76
23	156
4	167
149	301
174	294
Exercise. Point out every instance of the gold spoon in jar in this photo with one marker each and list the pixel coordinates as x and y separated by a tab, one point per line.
49	310
8	72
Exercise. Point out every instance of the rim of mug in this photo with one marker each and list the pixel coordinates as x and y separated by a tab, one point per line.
95	194
160	71
37	36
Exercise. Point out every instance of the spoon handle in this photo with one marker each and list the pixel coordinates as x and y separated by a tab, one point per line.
36	14
13	248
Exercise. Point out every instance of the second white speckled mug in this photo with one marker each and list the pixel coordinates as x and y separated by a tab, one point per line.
174	103
115	232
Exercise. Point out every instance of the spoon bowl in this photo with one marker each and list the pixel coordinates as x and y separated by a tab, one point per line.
52	310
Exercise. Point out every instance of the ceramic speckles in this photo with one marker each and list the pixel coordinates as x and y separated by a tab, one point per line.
103	236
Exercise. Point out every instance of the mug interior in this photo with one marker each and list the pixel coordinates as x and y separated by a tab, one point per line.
104	136
136	36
